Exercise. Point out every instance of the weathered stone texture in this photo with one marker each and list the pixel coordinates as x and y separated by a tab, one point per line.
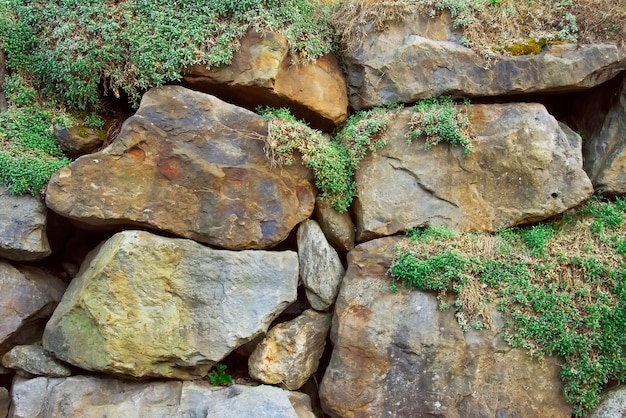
338	227
32	360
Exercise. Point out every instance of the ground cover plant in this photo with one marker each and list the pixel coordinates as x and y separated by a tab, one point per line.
561	286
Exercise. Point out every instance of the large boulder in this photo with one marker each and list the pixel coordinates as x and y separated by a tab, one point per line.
23	227
262	74
93	397
418	57
397	354
192	165
143	305
524	167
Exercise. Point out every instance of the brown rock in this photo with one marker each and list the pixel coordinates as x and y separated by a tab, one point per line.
192	165
79	140
338	227
5	402
33	360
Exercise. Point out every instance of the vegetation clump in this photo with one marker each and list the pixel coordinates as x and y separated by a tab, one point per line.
560	285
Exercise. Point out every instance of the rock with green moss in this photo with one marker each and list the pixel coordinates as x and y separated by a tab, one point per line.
148	306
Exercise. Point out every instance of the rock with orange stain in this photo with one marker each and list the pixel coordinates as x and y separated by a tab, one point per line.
524	167
189	164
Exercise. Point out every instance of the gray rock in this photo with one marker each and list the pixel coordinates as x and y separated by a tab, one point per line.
32	360
320	267
92	397
397	354
5	402
23	227
338	227
612	404
291	351
143	305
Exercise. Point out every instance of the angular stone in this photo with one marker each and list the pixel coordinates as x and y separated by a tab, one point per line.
28	297
612	404
143	305
397	354
524	167
33	360
410	61
5	402
261	74
192	165
79	140
338	227
320	267
23	227
291	351
93	397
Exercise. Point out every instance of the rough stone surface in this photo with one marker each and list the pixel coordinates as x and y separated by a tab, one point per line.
338	227
143	305
320	267
79	140
261	73
33	360
524	167
291	351
192	165
27	298
5	402
612	404
397	354
416	59
92	397
23	227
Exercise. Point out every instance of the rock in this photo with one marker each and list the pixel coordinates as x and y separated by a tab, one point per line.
79	140
33	360
338	227
524	167
23	227
320	267
5	402
93	397
28	297
301	403
612	404
143	305
189	164
261	74
291	351
397	354
419	58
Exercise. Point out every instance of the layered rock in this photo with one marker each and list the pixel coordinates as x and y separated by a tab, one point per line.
192	165
88	397
23	227
419	57
32	360
397	354
144	305
291	351
524	167
262	74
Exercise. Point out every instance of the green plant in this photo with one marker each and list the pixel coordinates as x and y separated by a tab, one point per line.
537	237
219	377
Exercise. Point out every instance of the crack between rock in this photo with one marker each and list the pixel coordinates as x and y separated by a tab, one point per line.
426	189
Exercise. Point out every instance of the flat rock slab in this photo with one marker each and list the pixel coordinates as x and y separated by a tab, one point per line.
93	397
397	354
190	164
524	168
143	305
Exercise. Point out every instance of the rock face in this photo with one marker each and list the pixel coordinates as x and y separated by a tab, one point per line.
320	267
33	360
145	305
261	73
612	404
338	227
23	227
291	351
397	354
420	58
28	297
192	165
524	167
92	397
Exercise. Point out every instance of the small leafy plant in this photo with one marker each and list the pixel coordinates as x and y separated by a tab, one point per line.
219	377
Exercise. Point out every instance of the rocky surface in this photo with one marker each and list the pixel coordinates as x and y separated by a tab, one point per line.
262	74
524	167
79	140
321	270
291	351
91	397
28	297
144	305
23	227
397	354
612	404
32	360
337	227
192	165
5	402
419	58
